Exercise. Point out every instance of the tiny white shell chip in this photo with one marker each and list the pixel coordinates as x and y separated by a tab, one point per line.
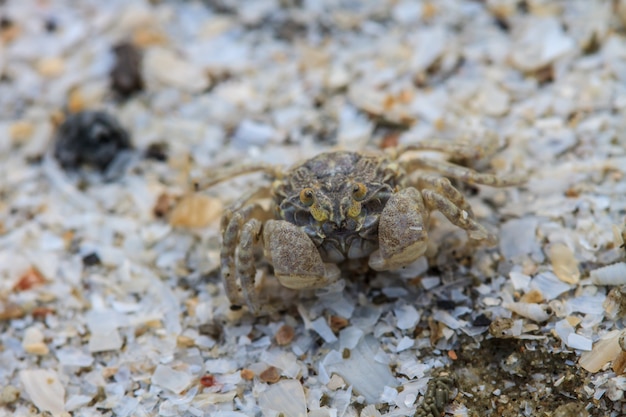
322	328
105	340
44	389
534	312
563	329
350	337
33	341
370	411
520	281
577	341
610	275
76	401
162	66
171	379
404	344
407	316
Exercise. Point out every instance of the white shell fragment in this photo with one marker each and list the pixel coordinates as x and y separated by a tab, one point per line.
588	304
286	397
367	376
517	238
532	311
520	281
322	328
564	263
33	341
407	317
106	340
171	379
164	67
610	275
549	285
251	133
604	351
576	341
45	390
539	42
563	329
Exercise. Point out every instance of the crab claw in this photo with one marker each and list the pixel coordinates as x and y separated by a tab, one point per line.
402	231
297	262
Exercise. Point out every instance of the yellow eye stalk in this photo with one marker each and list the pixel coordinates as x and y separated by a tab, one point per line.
359	191
307	197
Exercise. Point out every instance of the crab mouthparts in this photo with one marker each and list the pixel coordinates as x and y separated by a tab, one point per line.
346	226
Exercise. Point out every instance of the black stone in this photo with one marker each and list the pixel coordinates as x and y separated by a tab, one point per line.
91	260
157	151
446	304
481	321
91	138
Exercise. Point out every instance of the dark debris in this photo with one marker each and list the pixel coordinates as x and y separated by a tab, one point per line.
126	78
90	138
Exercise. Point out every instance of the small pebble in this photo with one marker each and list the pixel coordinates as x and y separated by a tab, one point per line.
5	22
21	131
9	31
247	374
40	313
37	348
207	380
619	363
157	151
270	375
337	323
162	206
9	394
481	321
30	279
184	341
196	210
10	311
284	335
91	259
51	67
51	25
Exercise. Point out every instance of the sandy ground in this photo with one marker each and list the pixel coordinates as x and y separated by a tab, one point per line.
111	300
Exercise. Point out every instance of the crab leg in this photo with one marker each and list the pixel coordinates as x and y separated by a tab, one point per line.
457	216
226	174
466	175
454	149
246	271
231	226
442	186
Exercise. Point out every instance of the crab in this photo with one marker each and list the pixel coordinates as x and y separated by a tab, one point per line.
341	206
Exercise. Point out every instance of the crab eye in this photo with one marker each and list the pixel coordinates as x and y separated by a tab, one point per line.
358	191
306	196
